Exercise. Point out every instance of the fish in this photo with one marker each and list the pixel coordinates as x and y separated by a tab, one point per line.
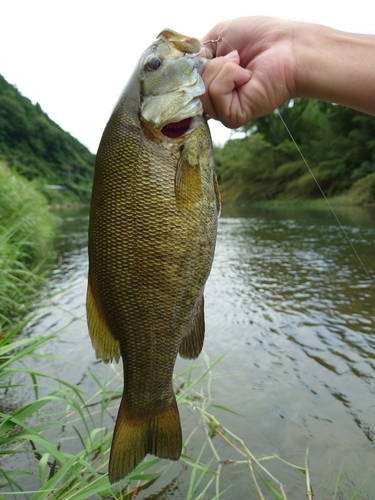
152	232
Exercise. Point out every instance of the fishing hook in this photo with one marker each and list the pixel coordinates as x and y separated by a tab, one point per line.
220	39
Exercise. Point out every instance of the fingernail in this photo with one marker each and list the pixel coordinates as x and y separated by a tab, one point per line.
231	56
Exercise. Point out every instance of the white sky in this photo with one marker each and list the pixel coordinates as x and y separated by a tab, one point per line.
75	56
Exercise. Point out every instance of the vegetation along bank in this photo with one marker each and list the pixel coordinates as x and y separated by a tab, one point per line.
40	165
337	143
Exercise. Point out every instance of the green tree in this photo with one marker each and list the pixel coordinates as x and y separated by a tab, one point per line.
38	148
337	143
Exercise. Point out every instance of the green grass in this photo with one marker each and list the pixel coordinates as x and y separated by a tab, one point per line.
56	408
26	235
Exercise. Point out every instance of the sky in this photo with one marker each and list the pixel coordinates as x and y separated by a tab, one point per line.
74	57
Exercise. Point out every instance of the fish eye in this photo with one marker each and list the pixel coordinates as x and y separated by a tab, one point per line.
154	63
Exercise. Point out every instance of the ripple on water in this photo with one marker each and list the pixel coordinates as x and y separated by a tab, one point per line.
292	307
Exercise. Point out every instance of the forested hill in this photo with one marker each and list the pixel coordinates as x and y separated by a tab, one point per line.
338	144
37	148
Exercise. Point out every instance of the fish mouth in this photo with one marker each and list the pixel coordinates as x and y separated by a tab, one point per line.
174	130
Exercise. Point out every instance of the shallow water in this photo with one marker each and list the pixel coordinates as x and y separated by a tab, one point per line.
295	309
292	307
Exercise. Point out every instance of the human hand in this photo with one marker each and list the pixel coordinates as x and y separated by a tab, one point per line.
263	62
253	71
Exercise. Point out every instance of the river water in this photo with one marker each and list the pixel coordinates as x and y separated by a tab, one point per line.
292	307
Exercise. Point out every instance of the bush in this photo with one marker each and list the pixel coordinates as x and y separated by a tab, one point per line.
363	191
26	235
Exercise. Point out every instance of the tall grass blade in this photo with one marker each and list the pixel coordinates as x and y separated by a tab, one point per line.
269	487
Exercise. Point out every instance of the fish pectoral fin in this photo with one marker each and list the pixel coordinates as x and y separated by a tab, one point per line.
188	181
106	346
192	342
158	433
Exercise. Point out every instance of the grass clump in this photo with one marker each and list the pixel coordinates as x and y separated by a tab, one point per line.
26	235
363	190
37	433
57	408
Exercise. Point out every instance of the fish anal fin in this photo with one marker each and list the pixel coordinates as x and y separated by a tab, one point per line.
192	342
158	434
106	346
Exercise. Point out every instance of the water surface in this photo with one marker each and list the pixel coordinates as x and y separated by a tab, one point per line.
292	307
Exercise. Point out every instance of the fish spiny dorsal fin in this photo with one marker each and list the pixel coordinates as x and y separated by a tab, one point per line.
217	195
182	43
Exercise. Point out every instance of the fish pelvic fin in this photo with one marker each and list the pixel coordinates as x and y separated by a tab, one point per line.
192	341
106	346
158	434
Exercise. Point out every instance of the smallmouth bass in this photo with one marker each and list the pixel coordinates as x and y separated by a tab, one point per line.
152	232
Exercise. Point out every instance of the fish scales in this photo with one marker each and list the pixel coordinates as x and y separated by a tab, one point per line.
152	235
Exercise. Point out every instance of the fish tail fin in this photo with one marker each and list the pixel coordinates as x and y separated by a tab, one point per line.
158	434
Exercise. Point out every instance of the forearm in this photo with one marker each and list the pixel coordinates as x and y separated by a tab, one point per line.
335	66
278	60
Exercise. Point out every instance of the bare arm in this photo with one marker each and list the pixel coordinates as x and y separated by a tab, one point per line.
276	60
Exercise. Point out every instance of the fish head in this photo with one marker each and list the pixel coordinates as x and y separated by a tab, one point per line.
171	83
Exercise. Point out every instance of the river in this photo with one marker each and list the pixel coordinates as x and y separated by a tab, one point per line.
292	306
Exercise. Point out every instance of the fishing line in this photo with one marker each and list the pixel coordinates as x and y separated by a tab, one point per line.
221	39
326	199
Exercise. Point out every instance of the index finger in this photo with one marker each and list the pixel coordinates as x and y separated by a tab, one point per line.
224	79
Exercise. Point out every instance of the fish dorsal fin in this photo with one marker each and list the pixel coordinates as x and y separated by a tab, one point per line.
192	341
180	42
217	195
106	346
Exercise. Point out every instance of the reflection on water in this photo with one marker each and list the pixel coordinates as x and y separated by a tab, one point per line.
291	302
292	306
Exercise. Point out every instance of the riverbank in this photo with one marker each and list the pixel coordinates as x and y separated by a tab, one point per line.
27	229
292	310
361	194
338	206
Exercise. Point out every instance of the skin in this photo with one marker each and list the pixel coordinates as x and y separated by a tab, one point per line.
263	62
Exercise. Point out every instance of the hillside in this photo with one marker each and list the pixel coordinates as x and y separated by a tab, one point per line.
38	149
338	144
